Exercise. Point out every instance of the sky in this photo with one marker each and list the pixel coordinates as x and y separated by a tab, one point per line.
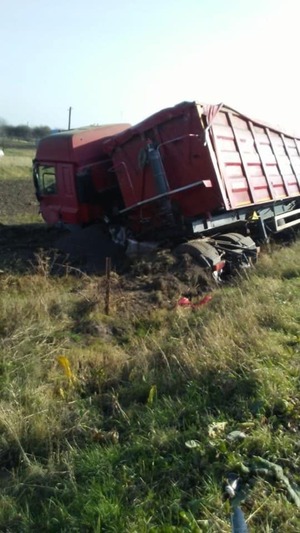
122	60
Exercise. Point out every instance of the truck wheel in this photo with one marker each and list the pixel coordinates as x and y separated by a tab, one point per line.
202	251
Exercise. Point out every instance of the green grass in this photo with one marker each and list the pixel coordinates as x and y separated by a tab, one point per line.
101	445
17	161
18	202
122	423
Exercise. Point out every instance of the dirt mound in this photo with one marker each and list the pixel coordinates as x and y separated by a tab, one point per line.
159	279
163	278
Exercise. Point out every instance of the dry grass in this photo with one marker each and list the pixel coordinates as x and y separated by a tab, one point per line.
15	165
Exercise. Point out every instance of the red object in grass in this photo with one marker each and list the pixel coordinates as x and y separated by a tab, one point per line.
204	301
185	302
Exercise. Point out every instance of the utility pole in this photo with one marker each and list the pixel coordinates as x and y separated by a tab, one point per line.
69	122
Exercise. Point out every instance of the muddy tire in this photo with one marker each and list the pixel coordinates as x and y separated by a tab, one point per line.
202	251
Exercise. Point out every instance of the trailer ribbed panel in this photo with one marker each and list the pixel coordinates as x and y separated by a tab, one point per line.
257	164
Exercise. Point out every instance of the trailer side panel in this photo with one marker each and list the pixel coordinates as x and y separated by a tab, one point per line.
258	164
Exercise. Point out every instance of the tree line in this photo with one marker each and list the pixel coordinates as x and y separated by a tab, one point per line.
23	131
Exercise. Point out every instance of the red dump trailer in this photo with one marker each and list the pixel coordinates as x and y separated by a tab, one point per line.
203	177
213	164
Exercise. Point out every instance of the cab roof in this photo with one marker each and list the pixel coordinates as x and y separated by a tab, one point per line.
82	145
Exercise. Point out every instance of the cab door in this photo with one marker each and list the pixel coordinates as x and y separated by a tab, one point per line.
69	206
46	184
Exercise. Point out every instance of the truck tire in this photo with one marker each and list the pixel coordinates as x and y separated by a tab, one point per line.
201	250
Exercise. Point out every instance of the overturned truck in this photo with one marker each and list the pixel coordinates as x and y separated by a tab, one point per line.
201	179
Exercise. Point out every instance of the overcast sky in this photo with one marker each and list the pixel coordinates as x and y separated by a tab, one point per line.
121	60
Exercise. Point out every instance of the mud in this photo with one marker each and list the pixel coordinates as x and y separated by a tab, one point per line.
159	279
17	200
21	244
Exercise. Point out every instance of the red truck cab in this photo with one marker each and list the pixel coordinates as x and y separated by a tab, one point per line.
72	177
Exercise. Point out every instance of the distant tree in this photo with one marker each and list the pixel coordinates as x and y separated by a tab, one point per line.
8	130
23	132
39	132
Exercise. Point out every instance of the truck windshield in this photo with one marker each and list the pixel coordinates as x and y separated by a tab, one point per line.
45	179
